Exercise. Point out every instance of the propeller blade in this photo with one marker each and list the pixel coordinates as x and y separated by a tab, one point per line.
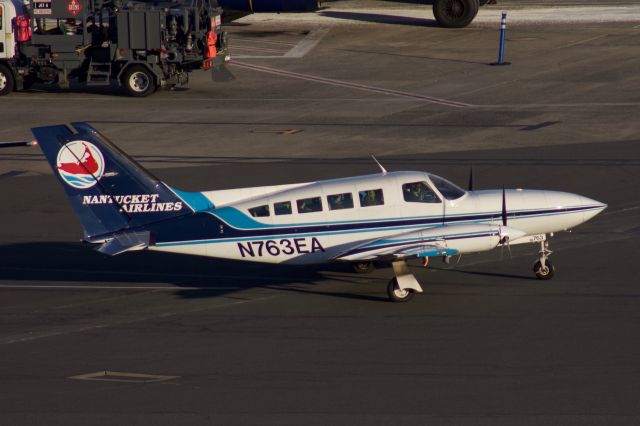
471	179
504	208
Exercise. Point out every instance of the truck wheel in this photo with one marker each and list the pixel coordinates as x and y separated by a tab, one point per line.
138	81
455	13
6	80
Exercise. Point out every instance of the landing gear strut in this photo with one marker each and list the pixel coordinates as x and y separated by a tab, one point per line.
543	268
403	287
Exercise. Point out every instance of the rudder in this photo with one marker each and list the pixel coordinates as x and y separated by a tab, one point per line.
109	190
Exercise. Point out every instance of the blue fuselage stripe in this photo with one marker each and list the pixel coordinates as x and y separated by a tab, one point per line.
234	234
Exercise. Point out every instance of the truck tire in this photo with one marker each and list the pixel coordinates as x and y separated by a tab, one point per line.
6	80
455	13
138	81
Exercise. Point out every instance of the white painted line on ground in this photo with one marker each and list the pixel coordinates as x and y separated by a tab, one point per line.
129	320
112	287
142	274
579	42
537	15
307	44
357	86
299	50
118	376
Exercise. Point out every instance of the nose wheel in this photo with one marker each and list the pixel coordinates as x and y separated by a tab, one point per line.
543	268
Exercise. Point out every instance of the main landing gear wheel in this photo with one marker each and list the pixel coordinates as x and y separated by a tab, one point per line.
363	267
138	81
396	294
455	13
545	272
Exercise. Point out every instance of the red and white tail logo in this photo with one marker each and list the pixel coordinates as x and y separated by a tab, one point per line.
80	164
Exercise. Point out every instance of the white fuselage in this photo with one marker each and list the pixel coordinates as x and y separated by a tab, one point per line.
258	227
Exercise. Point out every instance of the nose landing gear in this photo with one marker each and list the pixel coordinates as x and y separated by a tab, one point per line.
543	268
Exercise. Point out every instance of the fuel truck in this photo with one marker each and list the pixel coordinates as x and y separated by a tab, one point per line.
138	45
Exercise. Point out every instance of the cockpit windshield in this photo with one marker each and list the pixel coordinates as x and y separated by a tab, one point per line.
449	190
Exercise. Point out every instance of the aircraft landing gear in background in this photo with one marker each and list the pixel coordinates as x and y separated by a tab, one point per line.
455	13
543	268
363	267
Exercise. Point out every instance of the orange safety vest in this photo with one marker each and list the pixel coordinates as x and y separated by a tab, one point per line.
210	50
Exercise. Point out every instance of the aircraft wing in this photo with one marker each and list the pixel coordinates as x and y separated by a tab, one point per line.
442	240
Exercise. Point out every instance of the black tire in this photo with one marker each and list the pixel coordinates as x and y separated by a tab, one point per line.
455	13
138	81
483	2
397	295
544	274
363	267
6	80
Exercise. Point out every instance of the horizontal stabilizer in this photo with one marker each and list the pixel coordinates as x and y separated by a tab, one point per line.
128	241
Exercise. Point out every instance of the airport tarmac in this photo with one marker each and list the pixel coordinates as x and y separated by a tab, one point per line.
147	338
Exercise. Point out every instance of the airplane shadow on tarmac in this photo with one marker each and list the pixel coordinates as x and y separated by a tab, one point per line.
71	263
379	18
193	276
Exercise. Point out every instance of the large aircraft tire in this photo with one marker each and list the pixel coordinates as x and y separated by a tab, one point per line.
138	81
6	80
398	295
455	13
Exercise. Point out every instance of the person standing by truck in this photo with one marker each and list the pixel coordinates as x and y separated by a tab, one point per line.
140	46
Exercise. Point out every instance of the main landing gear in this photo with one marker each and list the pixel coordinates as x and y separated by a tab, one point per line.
363	267
543	268
404	286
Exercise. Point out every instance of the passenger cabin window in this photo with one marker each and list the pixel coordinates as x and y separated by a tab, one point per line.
371	197
448	190
309	205
260	211
419	192
281	208
340	201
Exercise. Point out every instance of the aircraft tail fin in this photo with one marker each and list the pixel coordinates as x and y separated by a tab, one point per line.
110	192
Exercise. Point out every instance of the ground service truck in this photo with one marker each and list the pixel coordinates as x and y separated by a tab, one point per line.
138	45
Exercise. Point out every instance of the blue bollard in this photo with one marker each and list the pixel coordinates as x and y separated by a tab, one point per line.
503	31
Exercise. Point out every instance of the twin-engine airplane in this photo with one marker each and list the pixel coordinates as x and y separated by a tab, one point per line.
391	216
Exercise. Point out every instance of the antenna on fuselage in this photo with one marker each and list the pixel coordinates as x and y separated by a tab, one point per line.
504	236
382	169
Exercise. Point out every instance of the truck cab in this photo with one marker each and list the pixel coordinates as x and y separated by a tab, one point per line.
7	45
7	41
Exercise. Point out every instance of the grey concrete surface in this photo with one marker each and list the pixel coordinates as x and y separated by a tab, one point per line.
253	344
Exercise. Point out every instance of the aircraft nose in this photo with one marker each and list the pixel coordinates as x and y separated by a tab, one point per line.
593	207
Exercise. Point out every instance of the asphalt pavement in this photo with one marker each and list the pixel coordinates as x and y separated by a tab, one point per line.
149	338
